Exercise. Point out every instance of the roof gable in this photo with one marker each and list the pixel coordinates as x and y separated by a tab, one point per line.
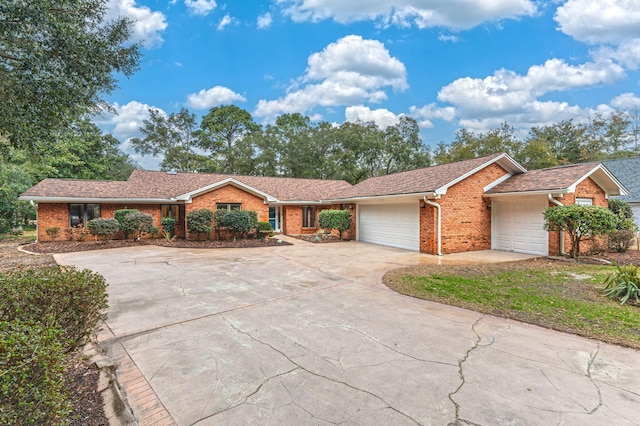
435	179
561	179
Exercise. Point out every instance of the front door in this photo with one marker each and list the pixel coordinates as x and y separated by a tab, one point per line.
275	218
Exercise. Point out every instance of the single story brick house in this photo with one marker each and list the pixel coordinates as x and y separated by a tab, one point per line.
489	202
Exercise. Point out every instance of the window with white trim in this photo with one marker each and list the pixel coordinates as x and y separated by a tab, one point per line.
228	206
584	201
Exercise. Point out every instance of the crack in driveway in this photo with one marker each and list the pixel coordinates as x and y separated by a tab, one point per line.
301	367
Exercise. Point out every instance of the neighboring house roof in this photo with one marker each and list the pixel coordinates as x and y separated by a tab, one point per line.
434	179
627	170
562	179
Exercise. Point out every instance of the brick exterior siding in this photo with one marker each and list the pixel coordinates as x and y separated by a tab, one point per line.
466	219
585	189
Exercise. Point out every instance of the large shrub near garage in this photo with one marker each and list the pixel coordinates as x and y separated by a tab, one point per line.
580	222
60	296
237	221
335	219
200	222
32	389
103	227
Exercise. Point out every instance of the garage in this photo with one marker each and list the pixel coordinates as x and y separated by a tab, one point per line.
518	225
394	225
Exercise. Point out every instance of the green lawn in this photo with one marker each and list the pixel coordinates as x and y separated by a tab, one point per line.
552	294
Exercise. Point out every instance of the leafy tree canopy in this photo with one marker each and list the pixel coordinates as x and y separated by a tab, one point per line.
57	58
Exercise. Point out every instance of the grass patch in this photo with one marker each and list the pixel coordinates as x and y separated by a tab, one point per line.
557	295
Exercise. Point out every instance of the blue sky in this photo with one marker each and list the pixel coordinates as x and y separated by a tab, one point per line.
448	64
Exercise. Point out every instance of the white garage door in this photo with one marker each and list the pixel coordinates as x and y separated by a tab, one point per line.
395	225
518	225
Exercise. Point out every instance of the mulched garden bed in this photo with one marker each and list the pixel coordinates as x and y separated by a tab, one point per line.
318	238
630	257
75	246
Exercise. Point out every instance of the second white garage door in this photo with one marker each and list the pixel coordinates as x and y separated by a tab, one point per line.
518	225
395	225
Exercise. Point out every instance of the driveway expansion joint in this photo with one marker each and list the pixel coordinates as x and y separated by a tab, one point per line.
301	367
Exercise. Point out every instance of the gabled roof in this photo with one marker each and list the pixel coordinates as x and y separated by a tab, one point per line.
436	179
627	171
154	186
558	180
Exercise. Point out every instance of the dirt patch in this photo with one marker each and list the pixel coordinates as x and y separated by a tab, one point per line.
75	246
87	402
13	259
630	257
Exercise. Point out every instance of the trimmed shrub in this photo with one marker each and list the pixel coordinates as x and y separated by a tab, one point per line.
168	228
32	387
103	227
200	222
622	210
119	216
264	229
335	219
52	232
580	222
60	296
137	223
620	240
237	221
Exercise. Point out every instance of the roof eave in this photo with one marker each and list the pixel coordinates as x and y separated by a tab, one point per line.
98	200
554	192
229	181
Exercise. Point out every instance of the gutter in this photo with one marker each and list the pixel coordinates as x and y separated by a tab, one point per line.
439	232
558	203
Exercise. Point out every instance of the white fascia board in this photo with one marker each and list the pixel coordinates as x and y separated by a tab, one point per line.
607	173
99	200
514	165
229	181
496	182
299	203
555	192
382	197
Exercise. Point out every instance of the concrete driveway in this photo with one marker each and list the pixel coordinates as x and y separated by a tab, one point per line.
308	335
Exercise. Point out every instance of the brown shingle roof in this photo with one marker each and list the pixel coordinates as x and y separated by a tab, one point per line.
416	181
554	178
144	184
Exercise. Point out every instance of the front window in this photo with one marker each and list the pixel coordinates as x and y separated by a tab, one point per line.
584	201
308	216
169	210
80	214
229	206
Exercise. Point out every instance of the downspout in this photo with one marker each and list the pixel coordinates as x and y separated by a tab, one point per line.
439	232
37	221
558	203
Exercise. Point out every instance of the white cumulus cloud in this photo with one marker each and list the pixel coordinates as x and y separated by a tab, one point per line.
349	71
425	114
147	24
600	21
264	21
382	117
626	101
217	95
507	92
422	13
200	7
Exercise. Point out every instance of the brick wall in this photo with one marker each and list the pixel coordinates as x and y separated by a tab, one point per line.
229	194
50	215
585	189
466	219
